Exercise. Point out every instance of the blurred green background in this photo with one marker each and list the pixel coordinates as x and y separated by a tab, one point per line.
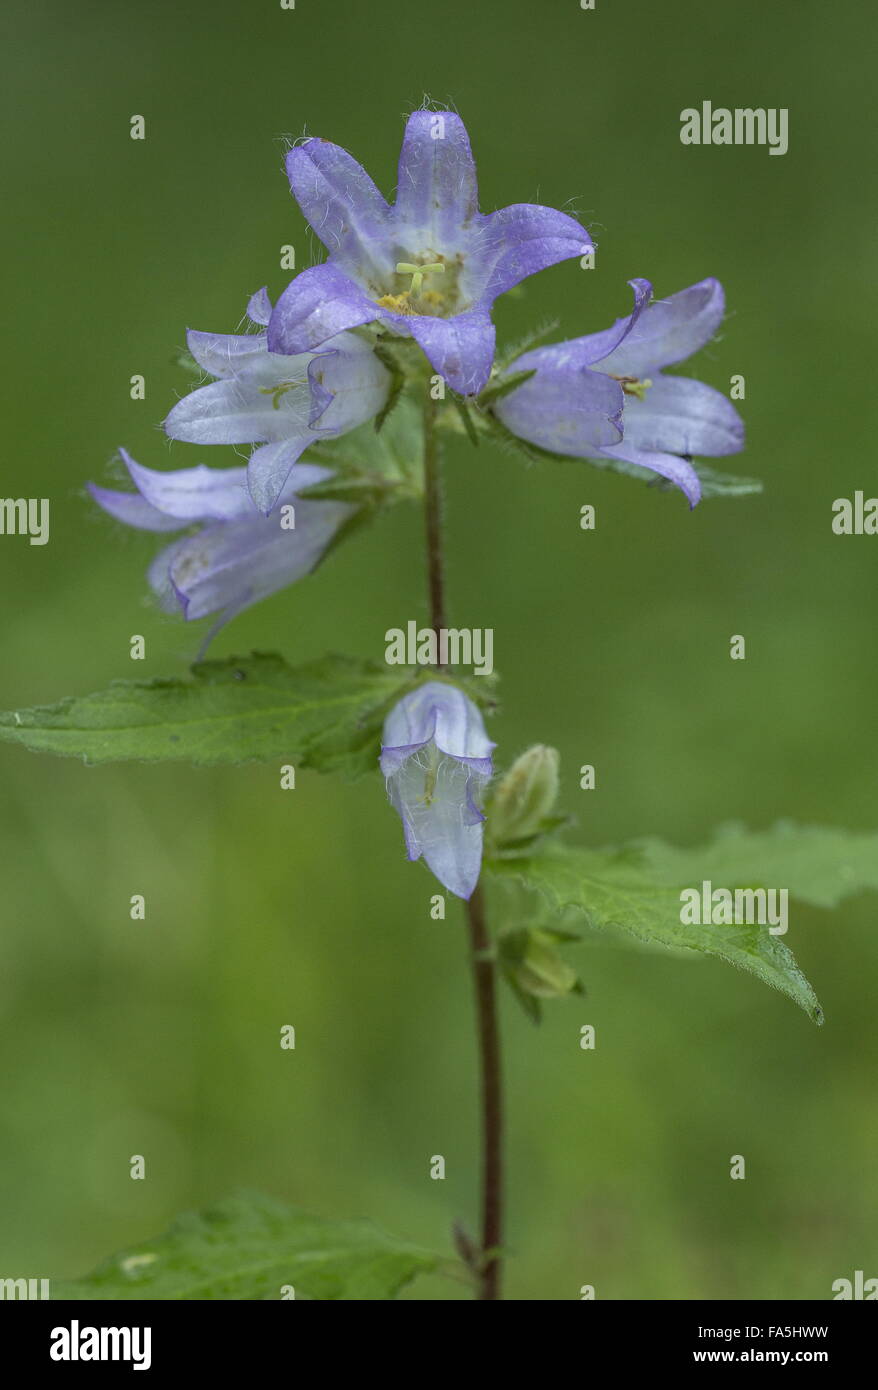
263	907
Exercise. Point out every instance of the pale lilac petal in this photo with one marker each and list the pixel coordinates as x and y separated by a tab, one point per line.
348	383
193	494
159	575
227	354
670	330
461	349
436	757
572	411
238	412
439	711
681	416
314	307
234	566
343	206
520	240
437	194
259	307
678	470
269	468
132	509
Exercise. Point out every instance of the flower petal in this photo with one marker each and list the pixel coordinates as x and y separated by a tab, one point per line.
679	471
436	757
518	241
681	416
229	567
571	411
227	354
132	509
460	348
259	307
343	206
440	825
269	469
315	306
670	330
239	412
437	193
194	494
348	384
441	712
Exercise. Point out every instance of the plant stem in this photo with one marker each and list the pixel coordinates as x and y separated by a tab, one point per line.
484	975
488	1265
433	515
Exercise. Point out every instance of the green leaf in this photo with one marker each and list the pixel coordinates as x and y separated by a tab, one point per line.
250	1247
325	715
637	889
503	386
821	865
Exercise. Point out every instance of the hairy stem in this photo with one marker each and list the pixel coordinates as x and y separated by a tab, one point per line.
485	977
487	1265
433	515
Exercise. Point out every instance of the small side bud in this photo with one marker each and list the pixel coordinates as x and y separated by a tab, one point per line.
526	796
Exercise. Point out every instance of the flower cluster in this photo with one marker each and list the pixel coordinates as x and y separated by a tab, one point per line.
407	289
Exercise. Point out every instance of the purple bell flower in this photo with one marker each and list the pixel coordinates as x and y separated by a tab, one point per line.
237	556
604	396
436	757
428	267
285	403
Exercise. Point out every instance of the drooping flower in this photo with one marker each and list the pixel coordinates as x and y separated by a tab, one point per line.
436	757
605	397
430	266
284	403
237	556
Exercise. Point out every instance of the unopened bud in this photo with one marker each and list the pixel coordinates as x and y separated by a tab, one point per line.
526	795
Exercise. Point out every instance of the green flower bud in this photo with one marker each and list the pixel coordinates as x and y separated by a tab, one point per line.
526	796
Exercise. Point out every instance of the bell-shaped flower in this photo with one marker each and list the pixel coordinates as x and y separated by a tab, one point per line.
605	396
283	403
430	266
236	556
436	758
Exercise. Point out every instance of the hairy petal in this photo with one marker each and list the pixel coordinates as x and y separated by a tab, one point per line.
678	470
571	411
314	307
348	385
443	713
437	193
239	412
670	330
681	416
342	205
259	307
520	240
461	349
227	568
436	757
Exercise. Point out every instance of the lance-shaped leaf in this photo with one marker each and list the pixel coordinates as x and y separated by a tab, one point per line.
325	715
253	1248
637	890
